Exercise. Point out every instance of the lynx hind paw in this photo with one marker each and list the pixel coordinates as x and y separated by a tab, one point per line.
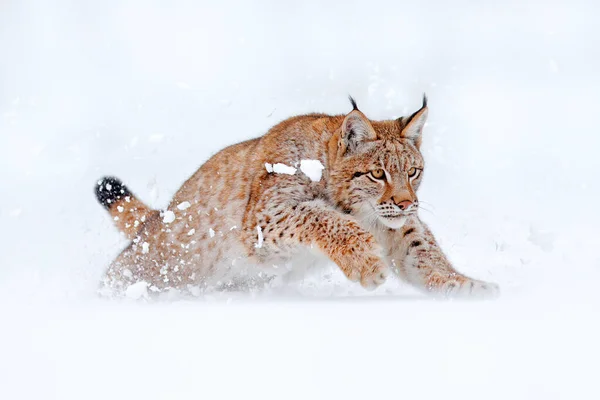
471	289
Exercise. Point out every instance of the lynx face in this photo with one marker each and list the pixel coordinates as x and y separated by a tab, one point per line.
388	187
378	167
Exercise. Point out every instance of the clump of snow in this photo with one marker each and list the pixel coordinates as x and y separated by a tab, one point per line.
191	232
312	168
211	232
145	247
168	217
184	205
280	168
137	290
543	239
260	237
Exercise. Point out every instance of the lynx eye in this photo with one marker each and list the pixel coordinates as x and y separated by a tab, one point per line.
378	173
413	172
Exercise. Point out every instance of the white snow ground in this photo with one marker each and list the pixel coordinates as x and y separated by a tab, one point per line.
148	90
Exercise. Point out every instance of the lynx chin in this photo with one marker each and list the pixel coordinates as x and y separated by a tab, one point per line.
343	187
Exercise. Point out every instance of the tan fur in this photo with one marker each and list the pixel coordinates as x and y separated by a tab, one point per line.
129	215
348	215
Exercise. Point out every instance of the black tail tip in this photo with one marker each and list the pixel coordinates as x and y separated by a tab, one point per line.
110	189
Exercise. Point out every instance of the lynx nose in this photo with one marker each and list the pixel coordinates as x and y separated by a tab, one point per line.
404	204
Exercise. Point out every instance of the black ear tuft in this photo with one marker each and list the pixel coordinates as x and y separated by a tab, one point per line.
353	102
409	119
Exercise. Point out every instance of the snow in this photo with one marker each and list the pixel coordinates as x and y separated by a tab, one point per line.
137	290
168	217
280	168
92	89
183	206
261	238
312	168
542	239
156	138
211	232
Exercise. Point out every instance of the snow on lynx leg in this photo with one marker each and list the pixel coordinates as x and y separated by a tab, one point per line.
168	217
280	168
260	237
312	168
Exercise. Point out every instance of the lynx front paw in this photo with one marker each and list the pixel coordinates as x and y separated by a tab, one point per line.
360	258
470	288
373	274
371	271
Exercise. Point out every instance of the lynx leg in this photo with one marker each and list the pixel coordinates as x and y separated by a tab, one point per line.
140	261
133	265
119	273
418	259
287	226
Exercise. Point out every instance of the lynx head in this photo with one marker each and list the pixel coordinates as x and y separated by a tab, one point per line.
375	167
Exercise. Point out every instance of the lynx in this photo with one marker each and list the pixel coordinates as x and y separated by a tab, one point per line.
341	186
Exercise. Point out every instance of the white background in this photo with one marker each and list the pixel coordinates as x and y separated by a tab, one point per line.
148	90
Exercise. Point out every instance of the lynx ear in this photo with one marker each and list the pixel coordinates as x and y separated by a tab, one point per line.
413	125
356	129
